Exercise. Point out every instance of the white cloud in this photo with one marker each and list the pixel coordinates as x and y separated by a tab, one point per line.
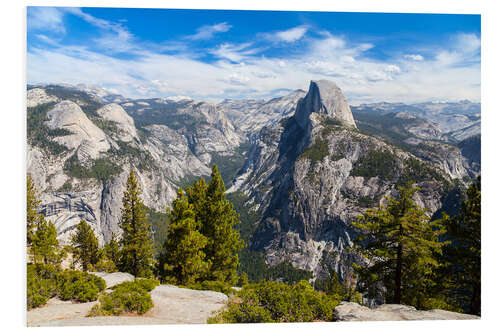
290	35
414	57
45	19
241	70
208	31
233	52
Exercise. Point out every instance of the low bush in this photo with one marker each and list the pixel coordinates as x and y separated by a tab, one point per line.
46	281
41	285
79	286
218	286
126	297
273	301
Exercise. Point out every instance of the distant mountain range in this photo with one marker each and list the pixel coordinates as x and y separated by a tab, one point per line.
306	163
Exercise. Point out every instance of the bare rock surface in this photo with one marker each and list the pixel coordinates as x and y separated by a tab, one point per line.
112	279
115	113
172	305
348	311
56	310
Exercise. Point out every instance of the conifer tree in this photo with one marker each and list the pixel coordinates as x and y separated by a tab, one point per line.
112	250
401	246
85	246
32	203
464	251
217	221
182	261
44	245
137	241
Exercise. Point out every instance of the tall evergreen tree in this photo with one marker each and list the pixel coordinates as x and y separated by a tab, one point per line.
401	246
32	203
85	246
464	251
44	245
182	260
137	241
217	221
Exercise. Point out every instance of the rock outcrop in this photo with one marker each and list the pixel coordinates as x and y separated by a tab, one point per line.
126	130
310	175
89	139
348	311
324	98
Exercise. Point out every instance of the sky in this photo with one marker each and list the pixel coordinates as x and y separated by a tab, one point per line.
211	55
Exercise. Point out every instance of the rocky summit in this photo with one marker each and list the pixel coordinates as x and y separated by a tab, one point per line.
307	163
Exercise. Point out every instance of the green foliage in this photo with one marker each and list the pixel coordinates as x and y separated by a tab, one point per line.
85	245
159	223
417	171
41	284
317	151
46	281
242	280
39	134
88	103
126	297
257	270
230	164
401	246
102	169
112	250
44	244
253	264
217	220
137	254
285	272
375	164
104	264
183	260
218	286
462	257
32	203
142	159
79	286
248	217
278	302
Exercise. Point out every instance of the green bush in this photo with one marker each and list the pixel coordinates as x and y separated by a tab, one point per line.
126	297
218	286
46	281
79	286
273	301
41	284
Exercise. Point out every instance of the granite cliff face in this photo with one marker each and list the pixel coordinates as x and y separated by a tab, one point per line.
307	165
311	174
97	146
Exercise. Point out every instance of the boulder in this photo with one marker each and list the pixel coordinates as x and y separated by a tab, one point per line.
348	311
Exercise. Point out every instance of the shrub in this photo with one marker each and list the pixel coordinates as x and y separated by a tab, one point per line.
79	286
278	302
46	281
41	285
218	286
126	297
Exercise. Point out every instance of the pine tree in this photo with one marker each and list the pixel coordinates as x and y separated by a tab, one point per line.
182	261
217	219
137	241
32	203
112	250
44	245
464	251
401	246
85	246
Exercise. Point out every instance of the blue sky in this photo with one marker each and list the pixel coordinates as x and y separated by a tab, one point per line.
214	54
